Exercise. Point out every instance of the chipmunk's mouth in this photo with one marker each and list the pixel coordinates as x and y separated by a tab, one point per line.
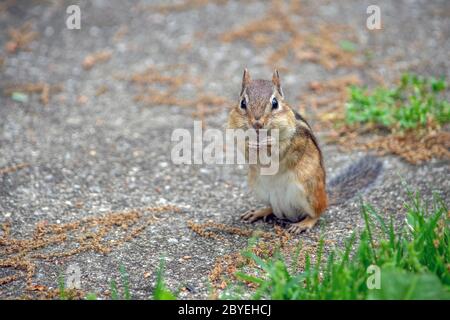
261	143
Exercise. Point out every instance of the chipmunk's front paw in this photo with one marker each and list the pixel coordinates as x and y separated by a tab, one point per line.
297	228
253	215
302	226
250	216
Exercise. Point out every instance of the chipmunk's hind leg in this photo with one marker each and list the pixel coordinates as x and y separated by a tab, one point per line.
304	225
254	215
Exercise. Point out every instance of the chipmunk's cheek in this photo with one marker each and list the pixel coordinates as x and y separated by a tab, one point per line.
239	122
275	123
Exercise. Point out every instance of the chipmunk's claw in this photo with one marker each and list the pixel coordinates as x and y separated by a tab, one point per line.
297	229
302	226
250	216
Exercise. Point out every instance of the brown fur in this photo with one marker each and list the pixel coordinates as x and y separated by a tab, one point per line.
305	157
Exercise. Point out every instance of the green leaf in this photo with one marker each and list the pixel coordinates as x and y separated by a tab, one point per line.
125	282
249	278
402	285
347	45
114	292
62	287
409	105
91	296
19	97
161	292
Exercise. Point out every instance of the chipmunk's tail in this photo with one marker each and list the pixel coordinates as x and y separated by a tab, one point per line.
354	180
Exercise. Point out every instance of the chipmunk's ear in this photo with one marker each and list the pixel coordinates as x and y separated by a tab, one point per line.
245	80
276	82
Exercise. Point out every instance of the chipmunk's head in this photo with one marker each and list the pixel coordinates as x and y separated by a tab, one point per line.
261	106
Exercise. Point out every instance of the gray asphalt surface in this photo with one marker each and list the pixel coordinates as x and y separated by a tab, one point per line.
105	153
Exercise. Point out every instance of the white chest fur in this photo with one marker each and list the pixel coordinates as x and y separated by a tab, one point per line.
284	193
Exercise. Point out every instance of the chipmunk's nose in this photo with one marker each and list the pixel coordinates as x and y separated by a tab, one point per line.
257	125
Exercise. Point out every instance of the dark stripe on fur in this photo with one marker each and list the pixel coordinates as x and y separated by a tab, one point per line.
300	118
310	136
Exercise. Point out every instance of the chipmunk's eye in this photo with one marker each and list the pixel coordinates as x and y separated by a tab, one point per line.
243	104
274	103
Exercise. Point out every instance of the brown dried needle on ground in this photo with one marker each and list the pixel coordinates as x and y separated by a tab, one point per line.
50	242
414	147
11	169
267	244
95	58
320	45
183	5
225	267
20	38
158	86
44	90
326	99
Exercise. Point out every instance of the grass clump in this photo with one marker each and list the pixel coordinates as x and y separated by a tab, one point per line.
161	292
115	295
413	263
416	102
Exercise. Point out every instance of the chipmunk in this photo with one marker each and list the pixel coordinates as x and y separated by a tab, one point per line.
298	191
